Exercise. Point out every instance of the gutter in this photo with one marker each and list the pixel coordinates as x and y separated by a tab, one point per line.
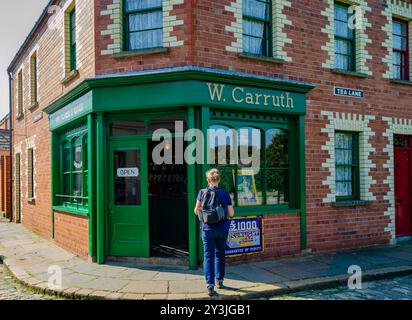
11	143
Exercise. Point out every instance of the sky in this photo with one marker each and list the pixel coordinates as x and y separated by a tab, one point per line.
17	18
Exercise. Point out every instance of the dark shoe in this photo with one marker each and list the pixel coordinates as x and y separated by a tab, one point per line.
211	291
220	284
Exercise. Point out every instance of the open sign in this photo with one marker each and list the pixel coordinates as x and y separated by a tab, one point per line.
127	172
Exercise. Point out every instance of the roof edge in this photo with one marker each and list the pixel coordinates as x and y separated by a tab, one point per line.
30	36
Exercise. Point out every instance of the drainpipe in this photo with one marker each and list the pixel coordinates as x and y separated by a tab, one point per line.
11	142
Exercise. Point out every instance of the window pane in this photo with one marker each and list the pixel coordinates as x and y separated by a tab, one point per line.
249	188
127	184
397	72
145	21
66	158
78	157
341	12
250	146
254	28
166	124
399	43
142	4
256	9
343	189
277	187
342	62
343	173
276	148
127	128
253	45
226	183
397	58
221	140
77	186
146	39
342	30
66	186
343	47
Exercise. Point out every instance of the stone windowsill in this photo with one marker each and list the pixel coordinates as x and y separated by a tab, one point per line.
349	73
73	74
260	58
143	52
351	203
404	82
34	106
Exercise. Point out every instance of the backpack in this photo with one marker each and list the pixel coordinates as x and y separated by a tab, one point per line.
212	210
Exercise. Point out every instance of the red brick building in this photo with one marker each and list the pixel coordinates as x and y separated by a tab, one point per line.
5	199
329	94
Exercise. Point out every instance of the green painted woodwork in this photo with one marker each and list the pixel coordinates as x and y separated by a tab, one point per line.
191	193
128	227
73	111
91	136
185	95
203	76
100	187
302	182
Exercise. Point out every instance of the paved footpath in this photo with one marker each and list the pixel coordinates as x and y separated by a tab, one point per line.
393	289
30	258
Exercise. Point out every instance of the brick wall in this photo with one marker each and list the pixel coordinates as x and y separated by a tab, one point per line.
32	131
206	38
72	233
282	238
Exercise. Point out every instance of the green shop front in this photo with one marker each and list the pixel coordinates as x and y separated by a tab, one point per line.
104	133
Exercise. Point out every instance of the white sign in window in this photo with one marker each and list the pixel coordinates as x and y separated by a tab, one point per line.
127	172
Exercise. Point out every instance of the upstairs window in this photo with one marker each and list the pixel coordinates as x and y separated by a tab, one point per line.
345	47
72	40
400	56
257	27
144	24
20	94
33	79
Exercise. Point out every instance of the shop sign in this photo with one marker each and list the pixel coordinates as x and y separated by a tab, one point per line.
346	92
245	236
127	172
250	96
72	111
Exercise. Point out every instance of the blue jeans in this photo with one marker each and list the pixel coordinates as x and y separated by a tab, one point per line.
214	242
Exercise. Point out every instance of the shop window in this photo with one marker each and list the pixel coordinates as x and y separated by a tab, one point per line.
400	56
257	27
169	124
347	165
143	24
255	166
344	39
127	128
74	172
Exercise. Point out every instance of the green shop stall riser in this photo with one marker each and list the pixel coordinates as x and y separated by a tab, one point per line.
101	142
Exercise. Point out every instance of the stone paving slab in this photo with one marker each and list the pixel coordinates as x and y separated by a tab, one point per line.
29	257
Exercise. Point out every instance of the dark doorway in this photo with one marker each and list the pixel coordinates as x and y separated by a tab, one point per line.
168	208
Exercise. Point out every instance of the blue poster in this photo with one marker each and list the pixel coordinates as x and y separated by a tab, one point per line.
245	236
